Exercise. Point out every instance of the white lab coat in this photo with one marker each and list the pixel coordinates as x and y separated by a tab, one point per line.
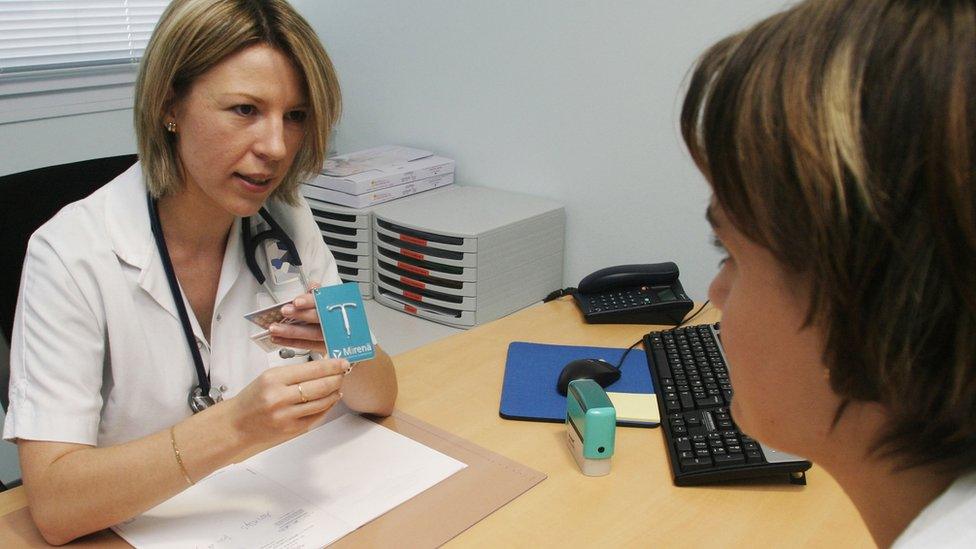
98	354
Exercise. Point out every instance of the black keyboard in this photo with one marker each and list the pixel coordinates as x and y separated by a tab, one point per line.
694	393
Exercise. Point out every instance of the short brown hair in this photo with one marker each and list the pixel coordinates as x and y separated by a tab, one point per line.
194	35
841	136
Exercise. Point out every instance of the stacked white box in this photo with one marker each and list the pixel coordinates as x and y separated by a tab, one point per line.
347	233
365	178
465	255
379	196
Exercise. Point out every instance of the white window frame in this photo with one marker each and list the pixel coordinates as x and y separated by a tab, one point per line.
79	91
48	94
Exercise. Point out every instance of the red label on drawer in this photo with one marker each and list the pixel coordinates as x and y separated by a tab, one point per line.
413	296
412	282
411	253
410	309
413	240
412	268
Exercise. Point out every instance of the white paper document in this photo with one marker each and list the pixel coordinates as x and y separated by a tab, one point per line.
308	492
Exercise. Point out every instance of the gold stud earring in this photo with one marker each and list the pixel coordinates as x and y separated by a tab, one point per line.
171	127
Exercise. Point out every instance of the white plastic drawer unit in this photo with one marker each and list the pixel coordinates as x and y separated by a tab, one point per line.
344	233
444	315
326	213
423	281
423	267
426	239
348	233
425	295
345	246
350	274
417	251
353	261
465	255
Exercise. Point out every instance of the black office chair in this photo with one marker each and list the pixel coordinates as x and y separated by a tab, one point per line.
28	200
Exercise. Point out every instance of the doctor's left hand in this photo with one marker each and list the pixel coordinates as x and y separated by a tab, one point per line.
300	336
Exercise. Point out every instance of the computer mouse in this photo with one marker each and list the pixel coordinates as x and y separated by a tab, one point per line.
596	369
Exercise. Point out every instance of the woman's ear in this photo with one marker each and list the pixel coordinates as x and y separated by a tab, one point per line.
170	107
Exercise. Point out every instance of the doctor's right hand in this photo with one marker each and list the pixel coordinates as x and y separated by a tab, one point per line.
285	401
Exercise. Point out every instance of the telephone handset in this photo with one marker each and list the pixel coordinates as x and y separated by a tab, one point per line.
633	294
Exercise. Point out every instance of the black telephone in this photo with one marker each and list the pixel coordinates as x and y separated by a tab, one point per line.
633	294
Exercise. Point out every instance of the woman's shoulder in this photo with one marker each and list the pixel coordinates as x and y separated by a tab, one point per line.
85	224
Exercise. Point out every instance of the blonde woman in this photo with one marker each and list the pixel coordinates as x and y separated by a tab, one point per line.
130	314
839	139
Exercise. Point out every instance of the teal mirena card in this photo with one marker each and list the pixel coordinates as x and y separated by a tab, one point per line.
343	320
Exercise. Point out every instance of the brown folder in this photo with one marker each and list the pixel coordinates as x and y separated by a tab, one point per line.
429	519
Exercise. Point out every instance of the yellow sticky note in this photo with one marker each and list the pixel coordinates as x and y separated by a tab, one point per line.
636	407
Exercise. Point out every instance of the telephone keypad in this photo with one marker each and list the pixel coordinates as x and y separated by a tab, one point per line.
620	300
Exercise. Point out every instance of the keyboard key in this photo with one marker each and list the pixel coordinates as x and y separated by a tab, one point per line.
682	443
708	401
729	459
754	456
695	464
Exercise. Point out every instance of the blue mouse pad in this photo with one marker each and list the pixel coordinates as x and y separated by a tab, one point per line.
531	370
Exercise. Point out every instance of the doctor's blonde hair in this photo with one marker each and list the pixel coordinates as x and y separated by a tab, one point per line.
194	35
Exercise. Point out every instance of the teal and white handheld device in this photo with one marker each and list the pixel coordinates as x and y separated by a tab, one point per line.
591	423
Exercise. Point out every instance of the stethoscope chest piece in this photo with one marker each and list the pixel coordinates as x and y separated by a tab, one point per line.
200	402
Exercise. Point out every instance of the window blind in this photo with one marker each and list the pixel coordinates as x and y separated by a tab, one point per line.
45	36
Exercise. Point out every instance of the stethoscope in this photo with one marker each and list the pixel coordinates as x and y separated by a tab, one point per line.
204	395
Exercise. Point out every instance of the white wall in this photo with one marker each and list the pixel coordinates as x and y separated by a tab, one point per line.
52	141
576	101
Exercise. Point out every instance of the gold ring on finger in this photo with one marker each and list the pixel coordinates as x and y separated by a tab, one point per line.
301	393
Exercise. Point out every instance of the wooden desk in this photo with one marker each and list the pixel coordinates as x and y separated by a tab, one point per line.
455	384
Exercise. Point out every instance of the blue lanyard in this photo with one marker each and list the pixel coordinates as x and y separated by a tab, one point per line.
200	397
